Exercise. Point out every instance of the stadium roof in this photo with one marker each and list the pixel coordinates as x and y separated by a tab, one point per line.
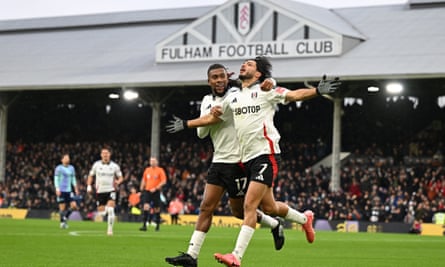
119	49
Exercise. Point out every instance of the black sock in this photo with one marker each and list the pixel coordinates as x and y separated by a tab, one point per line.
158	219
145	217
68	213
62	215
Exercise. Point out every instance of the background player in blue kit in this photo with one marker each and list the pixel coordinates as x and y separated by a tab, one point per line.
64	182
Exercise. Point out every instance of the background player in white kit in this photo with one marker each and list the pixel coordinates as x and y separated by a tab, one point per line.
108	176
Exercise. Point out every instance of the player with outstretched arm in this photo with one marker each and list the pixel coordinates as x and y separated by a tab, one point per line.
252	111
225	173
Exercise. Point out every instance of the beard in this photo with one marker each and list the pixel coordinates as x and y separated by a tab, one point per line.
246	76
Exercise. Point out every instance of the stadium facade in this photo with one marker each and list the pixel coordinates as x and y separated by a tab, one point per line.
164	54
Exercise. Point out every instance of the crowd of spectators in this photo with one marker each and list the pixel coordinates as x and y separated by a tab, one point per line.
388	183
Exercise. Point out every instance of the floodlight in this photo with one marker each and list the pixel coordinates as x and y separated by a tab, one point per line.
113	96
130	95
373	89
394	88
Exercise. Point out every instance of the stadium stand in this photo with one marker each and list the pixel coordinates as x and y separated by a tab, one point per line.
397	184
394	171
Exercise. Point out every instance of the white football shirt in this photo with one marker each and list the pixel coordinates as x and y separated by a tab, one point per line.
252	110
223	135
105	175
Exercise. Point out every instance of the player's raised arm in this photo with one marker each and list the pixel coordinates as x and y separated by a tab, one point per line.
178	124
324	87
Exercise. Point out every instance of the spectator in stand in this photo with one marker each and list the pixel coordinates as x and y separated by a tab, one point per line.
134	200
175	207
3	196
189	208
354	188
416	227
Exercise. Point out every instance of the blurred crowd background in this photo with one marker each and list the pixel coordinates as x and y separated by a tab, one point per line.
394	172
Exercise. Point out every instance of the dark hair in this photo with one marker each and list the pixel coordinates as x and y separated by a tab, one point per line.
231	82
264	67
107	147
214	67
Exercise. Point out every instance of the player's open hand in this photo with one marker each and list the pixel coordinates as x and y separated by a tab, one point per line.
176	125
328	86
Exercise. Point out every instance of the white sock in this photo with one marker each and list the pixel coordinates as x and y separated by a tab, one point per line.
266	220
110	211
295	216
243	240
195	244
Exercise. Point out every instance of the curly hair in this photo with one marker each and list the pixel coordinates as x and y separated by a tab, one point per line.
264	66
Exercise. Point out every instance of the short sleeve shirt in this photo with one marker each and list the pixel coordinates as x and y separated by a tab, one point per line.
105	174
223	135
252	110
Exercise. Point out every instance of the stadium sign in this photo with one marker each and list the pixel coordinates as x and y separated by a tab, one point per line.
248	29
303	48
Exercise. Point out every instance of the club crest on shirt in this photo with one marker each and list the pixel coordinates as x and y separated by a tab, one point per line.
254	95
280	90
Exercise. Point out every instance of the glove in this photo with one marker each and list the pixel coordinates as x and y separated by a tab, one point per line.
176	125
328	86
234	83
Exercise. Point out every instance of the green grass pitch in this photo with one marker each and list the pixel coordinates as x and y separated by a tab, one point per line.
43	243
